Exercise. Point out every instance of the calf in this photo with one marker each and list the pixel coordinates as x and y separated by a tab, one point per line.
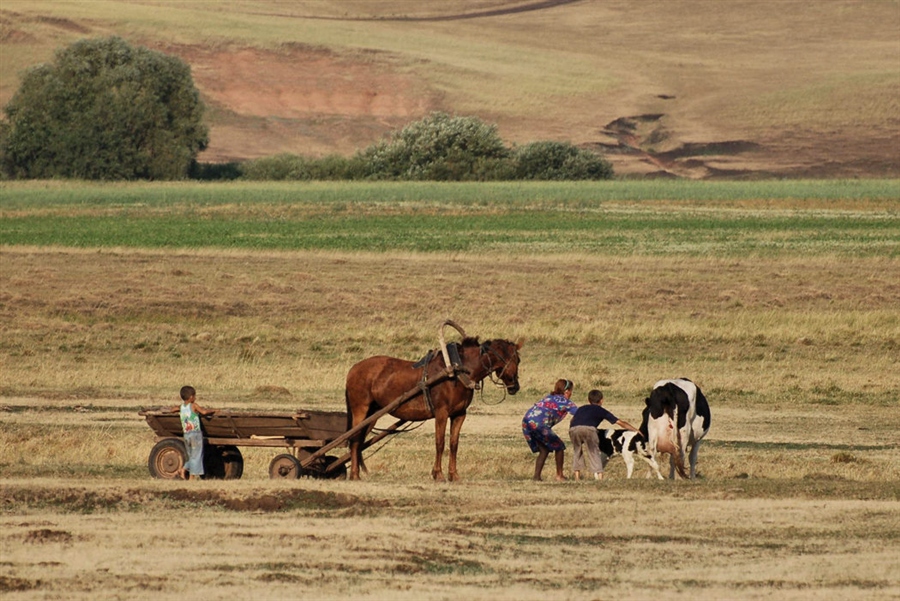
627	444
676	416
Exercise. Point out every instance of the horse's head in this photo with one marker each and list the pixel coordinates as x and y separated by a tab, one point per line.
501	358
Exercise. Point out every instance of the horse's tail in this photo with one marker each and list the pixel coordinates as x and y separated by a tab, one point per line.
349	414
362	464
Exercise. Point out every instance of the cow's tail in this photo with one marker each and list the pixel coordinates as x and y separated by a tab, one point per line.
678	457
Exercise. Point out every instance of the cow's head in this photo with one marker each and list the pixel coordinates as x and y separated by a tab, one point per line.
606	443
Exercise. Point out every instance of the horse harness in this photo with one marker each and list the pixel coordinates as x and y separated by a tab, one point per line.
459	372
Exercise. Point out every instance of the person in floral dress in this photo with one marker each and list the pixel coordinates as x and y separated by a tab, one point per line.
537	426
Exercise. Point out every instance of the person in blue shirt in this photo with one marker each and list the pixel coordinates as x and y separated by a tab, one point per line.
538	423
583	434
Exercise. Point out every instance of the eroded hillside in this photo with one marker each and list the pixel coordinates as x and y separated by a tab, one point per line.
665	88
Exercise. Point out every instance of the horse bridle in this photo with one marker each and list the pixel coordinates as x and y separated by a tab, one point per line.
488	350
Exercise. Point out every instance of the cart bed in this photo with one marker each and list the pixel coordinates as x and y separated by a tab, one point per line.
300	424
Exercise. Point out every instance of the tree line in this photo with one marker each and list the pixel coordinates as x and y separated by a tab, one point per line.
106	110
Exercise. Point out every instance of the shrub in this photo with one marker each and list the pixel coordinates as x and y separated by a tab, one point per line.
105	110
294	167
277	168
439	147
336	167
216	171
559	161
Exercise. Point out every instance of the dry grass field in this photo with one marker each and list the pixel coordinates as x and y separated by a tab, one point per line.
798	498
687	88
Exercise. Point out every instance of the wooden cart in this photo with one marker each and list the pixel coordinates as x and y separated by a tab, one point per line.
305	436
300	434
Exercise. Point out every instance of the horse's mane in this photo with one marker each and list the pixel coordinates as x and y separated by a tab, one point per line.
470	341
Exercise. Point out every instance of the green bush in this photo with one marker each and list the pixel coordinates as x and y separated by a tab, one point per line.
559	161
216	171
292	167
439	147
277	168
104	110
335	167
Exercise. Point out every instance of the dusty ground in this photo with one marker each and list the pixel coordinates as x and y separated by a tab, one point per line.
301	100
798	496
810	518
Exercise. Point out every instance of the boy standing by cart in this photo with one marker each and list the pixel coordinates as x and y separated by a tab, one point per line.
190	413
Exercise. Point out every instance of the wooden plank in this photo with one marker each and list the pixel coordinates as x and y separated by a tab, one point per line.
316	425
383	434
291	443
343	459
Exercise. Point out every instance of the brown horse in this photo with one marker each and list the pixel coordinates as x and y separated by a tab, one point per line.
375	382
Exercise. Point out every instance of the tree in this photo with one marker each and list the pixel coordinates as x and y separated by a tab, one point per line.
439	147
104	110
559	161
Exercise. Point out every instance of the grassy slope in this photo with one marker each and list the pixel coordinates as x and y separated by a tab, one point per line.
809	83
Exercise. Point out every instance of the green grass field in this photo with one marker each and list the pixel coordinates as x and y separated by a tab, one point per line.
50	194
805	218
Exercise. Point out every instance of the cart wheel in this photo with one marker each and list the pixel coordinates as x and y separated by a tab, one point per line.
338	473
222	462
167	458
285	466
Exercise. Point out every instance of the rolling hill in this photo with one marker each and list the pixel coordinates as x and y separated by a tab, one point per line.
675	88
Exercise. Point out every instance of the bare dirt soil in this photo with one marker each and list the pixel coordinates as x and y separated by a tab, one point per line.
301	100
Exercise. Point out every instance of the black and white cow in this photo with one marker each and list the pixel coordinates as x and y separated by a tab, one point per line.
676	416
627	444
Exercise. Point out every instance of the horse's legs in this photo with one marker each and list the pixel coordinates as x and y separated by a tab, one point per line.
440	432
358	415
363	436
354	458
456	423
362	463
